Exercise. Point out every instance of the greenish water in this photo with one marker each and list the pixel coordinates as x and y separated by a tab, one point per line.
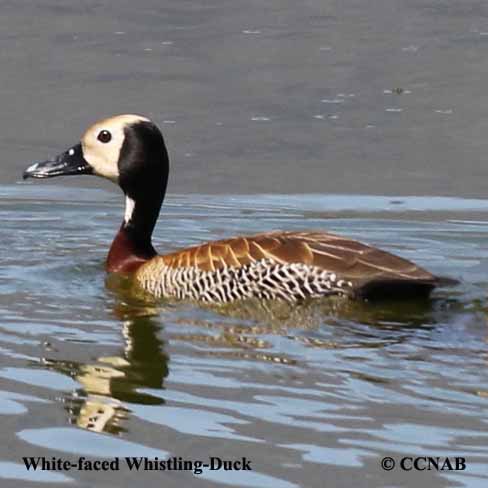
313	395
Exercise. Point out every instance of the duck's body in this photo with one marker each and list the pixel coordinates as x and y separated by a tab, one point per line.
130	150
281	265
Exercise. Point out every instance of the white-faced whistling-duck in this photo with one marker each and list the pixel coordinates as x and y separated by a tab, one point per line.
130	151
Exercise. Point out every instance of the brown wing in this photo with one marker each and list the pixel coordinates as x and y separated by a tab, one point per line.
349	259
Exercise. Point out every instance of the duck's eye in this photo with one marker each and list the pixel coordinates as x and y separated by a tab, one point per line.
104	136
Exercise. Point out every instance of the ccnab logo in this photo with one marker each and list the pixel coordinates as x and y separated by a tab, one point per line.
427	463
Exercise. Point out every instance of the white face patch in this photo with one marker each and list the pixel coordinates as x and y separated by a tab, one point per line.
129	209
102	154
71	152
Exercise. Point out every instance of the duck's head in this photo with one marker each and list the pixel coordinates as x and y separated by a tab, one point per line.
126	149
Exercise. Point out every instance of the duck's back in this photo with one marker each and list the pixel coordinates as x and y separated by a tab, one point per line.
282	265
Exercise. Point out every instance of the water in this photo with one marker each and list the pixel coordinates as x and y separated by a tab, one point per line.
313	396
240	90
264	98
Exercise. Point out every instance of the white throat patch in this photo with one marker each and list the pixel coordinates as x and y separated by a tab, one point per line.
129	209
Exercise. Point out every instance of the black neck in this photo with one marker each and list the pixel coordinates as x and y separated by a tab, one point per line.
143	176
141	223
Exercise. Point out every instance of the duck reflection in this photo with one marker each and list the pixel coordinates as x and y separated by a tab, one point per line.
247	330
110	382
116	380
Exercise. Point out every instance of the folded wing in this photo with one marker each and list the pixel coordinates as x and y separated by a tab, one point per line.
370	270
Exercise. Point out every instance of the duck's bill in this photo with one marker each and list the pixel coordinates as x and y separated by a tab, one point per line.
70	162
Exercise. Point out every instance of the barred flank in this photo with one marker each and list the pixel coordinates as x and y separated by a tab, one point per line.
264	279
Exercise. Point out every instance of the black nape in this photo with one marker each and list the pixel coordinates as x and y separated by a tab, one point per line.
143	176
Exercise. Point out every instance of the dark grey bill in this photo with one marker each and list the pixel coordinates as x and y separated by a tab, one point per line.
70	162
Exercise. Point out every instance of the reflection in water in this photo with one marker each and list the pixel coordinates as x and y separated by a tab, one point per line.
111	381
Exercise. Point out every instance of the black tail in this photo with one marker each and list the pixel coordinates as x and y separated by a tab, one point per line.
379	290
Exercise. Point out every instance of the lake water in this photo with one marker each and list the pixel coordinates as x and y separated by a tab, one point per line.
314	396
276	114
344	96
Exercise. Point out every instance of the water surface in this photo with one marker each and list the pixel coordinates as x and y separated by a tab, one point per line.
289	104
386	97
314	394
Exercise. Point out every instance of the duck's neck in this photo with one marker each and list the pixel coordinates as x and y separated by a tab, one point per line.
132	245
143	176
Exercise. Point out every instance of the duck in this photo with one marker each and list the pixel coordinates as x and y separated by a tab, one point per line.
130	150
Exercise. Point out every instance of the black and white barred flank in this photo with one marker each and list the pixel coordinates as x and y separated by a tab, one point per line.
264	279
